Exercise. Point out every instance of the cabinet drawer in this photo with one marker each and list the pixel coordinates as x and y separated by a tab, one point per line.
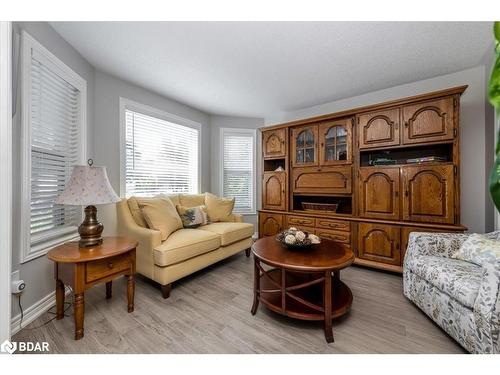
338	236
105	267
344	226
299	220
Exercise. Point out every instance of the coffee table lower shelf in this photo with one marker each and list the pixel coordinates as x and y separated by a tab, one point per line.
305	303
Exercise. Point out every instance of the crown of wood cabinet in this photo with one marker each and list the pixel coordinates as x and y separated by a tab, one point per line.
337	157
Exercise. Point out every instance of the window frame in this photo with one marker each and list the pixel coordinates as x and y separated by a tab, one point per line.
253	134
128	104
33	247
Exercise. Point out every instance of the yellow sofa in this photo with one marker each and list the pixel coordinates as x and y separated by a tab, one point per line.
184	251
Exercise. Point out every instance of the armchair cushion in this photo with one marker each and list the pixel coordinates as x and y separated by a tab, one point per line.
460	280
479	249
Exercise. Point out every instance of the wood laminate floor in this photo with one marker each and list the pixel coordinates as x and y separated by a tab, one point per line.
209	312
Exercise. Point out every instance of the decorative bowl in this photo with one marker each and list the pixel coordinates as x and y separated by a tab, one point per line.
297	239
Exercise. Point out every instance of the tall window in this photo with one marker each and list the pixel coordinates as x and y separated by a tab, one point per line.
238	168
161	154
54	105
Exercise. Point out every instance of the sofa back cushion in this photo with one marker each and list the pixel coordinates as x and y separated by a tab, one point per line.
219	209
174	198
191	200
160	214
479	249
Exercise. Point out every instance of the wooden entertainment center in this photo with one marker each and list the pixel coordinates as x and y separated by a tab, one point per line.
382	171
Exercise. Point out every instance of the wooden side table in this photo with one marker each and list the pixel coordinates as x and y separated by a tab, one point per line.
82	268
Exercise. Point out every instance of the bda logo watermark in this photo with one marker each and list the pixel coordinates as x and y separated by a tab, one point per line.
24	346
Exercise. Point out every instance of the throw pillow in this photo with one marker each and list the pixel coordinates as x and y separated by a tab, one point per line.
161	215
193	217
173	197
191	200
479	250
219	209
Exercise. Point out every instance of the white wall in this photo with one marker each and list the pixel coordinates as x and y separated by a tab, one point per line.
475	206
218	122
38	273
108	90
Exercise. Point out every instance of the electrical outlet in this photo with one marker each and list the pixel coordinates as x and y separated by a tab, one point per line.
17	286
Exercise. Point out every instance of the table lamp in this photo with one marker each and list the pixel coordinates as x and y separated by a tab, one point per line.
88	186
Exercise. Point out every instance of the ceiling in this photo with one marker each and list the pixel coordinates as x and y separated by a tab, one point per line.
260	68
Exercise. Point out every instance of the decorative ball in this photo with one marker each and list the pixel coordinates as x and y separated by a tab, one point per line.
314	239
292	229
300	236
290	239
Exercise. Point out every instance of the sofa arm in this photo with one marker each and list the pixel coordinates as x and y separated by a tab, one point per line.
487	310
437	244
234	218
147	239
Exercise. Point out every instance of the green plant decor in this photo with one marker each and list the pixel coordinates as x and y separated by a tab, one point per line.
494	96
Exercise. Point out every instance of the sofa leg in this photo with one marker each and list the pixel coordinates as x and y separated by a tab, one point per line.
165	290
247	252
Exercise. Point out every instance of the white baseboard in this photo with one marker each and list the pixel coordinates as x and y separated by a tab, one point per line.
34	311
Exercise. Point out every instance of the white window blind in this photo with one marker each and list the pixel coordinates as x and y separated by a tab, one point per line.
53	141
54	146
238	168
161	156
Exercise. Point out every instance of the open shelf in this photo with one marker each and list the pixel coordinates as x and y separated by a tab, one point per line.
442	153
344	204
273	164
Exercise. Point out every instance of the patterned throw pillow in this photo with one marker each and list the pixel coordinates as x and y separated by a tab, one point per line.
193	217
479	250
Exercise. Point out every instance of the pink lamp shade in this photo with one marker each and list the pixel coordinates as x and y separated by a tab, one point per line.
87	186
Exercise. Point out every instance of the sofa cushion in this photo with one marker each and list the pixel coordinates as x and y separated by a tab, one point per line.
174	198
161	214
479	249
459	279
230	232
185	244
219	209
193	217
191	200
136	212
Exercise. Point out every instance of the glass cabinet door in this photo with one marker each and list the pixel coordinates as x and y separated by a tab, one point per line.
304	146
335	146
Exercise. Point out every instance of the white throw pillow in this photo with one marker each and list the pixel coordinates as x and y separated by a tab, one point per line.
479	250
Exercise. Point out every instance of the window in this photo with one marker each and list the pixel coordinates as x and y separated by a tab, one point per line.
161	153
53	141
238	168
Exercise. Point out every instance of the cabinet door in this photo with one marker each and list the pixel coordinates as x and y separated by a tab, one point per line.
305	146
327	180
429	121
379	193
270	224
335	142
379	129
429	193
274	191
379	243
274	143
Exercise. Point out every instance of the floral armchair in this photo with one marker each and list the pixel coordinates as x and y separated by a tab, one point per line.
461	297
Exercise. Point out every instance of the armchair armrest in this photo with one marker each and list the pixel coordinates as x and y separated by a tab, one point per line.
437	244
487	308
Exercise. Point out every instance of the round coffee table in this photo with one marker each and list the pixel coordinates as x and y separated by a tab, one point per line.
299	283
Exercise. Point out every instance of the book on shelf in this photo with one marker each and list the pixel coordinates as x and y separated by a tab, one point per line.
426	159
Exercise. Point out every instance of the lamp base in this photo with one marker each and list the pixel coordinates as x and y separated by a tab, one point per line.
90	229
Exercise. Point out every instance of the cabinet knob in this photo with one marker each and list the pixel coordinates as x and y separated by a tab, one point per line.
110	265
